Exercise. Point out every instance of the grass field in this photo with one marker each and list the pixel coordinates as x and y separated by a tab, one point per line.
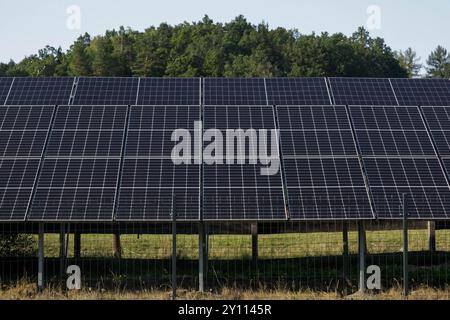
290	266
239	246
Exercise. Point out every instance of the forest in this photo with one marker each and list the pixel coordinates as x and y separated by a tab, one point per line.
234	49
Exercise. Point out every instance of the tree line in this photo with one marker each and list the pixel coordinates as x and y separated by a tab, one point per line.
234	49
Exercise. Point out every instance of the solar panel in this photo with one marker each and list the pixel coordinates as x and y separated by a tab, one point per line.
5	86
106	91
151	181
323	175
422	92
23	132
17	178
438	120
40	91
78	179
399	158
240	191
362	91
234	92
169	91
297	91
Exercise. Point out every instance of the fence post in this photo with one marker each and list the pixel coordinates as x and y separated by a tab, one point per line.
77	245
405	245
431	236
201	257
174	251
254	231
41	257
362	256
62	250
117	248
345	255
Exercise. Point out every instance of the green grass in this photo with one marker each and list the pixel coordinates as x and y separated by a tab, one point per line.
232	247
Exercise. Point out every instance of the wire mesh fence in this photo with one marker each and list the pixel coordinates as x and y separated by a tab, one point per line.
292	256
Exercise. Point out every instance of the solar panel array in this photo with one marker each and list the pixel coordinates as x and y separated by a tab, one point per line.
102	149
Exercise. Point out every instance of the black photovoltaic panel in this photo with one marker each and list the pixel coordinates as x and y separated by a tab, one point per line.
17	178
423	203
386	118
422	92
391	131
404	172
150	179
70	204
169	91
323	175
106	91
87	131
297	91
242	190
76	189
297	118
234	91
149	185
90	118
79	173
399	157
23	132
151	127
40	91
78	179
395	143
5	86
438	120
163	118
362	91
315	131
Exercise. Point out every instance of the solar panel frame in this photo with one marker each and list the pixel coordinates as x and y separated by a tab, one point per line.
298	91
40	91
169	92
362	91
234	92
422	92
102	91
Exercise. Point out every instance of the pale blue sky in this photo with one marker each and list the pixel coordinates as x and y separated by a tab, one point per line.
28	25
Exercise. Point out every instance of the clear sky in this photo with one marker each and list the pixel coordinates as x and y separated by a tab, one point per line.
28	25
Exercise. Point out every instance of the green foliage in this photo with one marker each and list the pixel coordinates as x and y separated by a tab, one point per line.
439	63
409	61
17	245
206	48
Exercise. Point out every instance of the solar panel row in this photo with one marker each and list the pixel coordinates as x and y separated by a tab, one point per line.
224	91
77	162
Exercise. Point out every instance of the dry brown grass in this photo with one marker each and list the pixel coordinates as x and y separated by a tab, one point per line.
26	291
